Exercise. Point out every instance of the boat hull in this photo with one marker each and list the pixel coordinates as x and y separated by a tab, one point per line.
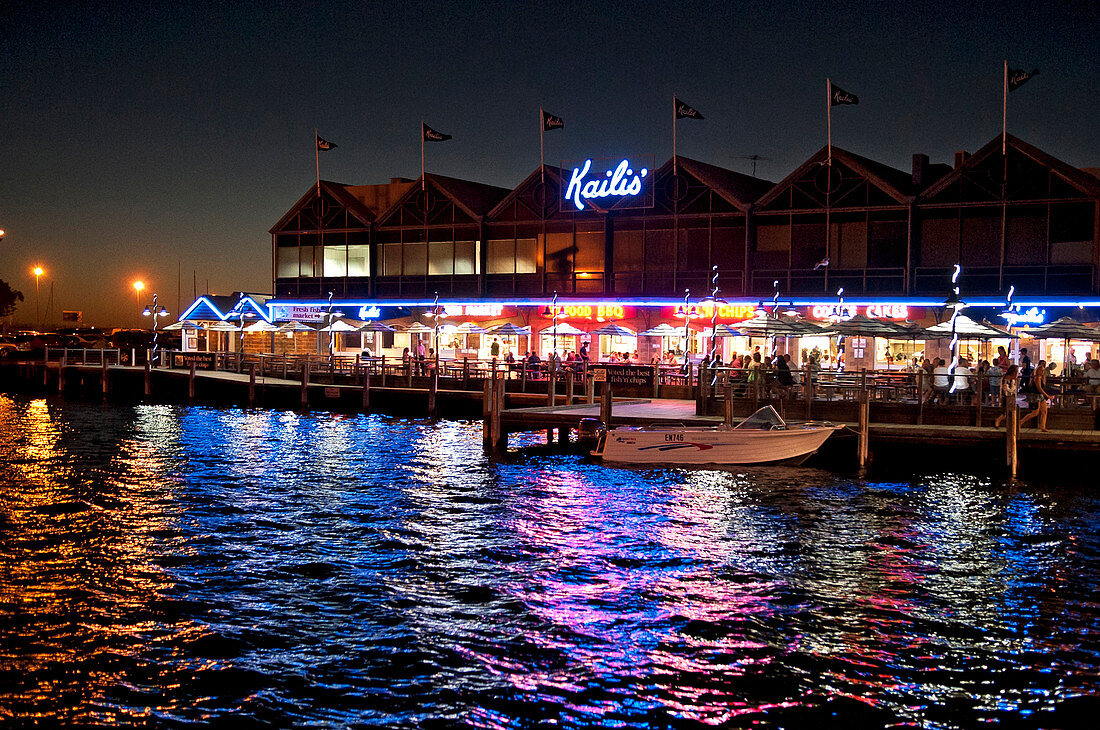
711	446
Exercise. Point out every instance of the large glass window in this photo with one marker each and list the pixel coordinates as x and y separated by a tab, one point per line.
359	260
391	261
336	261
526	256
501	256
416	259
466	257
628	250
590	251
286	265
306	261
559	253
441	258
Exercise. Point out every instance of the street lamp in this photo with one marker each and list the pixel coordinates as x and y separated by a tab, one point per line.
38	271
138	286
152	310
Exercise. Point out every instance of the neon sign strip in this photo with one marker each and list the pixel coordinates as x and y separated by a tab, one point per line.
616	184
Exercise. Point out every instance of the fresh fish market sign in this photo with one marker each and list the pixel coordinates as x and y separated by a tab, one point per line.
606	184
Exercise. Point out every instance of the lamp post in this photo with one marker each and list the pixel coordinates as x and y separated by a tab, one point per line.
156	312
38	271
138	287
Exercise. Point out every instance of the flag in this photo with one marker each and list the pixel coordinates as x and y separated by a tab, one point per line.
839	96
549	121
1017	77
324	144
685	111
430	135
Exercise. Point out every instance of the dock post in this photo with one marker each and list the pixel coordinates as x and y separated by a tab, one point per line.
551	387
1012	432
701	393
920	396
488	386
728	405
303	395
148	379
590	388
808	391
499	437
191	384
465	373
409	367
103	376
978	401
656	382
569	388
251	384
433	389
523	376
382	367
864	428
61	371
605	405
366	388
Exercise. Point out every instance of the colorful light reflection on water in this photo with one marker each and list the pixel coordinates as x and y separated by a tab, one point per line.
168	565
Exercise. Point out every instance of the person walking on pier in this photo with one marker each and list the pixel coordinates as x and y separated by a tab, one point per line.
1010	387
1038	395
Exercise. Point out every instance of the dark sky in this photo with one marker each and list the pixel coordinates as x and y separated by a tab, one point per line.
141	138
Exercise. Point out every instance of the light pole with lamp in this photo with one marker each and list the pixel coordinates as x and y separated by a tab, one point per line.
38	271
156	312
139	286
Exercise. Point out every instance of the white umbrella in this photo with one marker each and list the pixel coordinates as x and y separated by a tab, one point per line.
296	327
260	326
468	328
563	329
416	328
613	330
223	327
376	327
339	326
509	330
662	330
185	325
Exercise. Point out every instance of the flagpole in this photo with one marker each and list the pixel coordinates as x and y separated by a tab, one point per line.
317	159
674	133
423	185
542	156
829	118
1004	115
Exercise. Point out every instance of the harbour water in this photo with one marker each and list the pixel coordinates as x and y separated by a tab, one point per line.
182	566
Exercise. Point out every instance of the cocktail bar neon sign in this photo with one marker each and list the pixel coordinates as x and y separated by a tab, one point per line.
621	182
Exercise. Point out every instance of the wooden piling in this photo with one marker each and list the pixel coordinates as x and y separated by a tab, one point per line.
488	392
465	373
551	387
728	404
103	379
590	388
569	388
920	396
1012	434
303	395
433	389
191	383
808	391
499	436
656	381
148	378
605	405
366	389
61	371
864	441
251	384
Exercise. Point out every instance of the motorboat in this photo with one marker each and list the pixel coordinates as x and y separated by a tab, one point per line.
762	438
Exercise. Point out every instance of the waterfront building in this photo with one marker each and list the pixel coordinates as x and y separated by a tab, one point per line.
596	242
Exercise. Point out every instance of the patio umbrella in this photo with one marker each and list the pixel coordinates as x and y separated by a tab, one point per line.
509	330
863	326
724	330
768	325
662	330
185	325
260	326
1066	329
468	328
376	327
966	329
563	329
339	326
223	327
613	330
296	327
417	328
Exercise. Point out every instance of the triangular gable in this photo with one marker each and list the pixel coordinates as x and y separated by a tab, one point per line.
853	181
341	210
450	200
979	177
221	307
736	189
530	200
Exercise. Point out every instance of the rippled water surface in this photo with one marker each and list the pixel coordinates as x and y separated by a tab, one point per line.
171	566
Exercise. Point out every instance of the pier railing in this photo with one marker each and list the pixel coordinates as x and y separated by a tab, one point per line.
84	355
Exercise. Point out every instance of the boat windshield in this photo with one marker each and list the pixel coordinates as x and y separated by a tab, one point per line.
765	419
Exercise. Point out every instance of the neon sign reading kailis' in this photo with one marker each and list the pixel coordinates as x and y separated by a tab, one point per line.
620	182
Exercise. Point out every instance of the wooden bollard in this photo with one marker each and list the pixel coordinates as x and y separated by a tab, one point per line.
251	383
366	389
61	371
590	388
656	381
382	365
808	391
569	389
864	428
103	379
551	387
920	396
1012	433
488	392
605	405
148	378
191	383
433	389
465	373
303	396
500	438
728	405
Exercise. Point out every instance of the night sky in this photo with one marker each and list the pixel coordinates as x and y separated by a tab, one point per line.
140	140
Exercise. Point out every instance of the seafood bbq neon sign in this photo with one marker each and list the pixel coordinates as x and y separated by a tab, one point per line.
623	184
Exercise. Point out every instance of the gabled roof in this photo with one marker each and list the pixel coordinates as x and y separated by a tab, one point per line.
357	204
553	174
473	198
221	307
1083	181
736	188
895	183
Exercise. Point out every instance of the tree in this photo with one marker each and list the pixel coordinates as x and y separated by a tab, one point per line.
8	298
